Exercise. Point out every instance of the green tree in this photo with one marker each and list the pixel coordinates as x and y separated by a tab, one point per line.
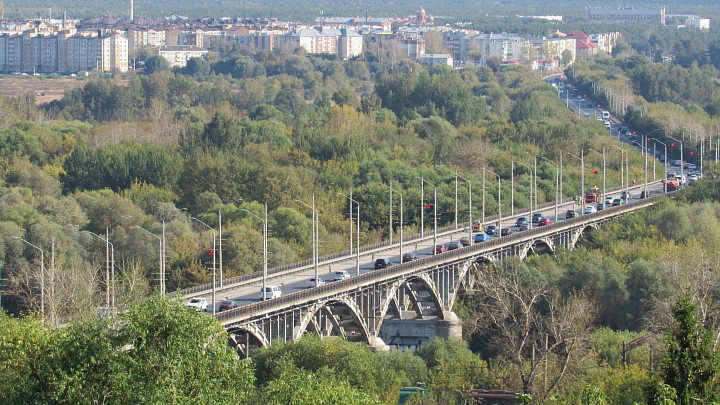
690	366
156	64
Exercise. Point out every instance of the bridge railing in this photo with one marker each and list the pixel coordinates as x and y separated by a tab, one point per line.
368	248
420	264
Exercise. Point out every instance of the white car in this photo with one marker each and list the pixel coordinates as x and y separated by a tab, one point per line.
608	200
590	209
198	304
341	275
271	291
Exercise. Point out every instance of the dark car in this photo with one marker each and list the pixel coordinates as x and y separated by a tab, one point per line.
465	241
544	221
536	217
522	221
452	245
505	232
570	214
408	257
643	194
382	263
491	230
441	249
227	304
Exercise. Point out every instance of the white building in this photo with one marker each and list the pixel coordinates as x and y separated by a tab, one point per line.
178	55
341	42
435	59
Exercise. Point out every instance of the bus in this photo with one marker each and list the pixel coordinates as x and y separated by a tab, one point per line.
606	115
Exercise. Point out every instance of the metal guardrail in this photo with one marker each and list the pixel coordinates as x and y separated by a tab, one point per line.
346	254
337	287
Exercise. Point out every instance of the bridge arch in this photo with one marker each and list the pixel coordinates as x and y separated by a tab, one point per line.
584	231
411	288
339	315
246	339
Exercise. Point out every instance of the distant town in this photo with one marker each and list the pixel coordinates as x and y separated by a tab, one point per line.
110	43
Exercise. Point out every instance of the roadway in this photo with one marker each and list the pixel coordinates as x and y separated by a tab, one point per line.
248	292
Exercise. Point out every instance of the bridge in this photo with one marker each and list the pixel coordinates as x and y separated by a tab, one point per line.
403	305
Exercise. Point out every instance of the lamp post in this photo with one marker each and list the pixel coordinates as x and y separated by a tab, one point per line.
314	233
350	211
469	204
604	183
582	178
531	188
112	261
357	254
434	212
401	217
213	255
557	183
682	163
666	163
9	236
499	201
42	276
265	254
107	280
161	255
622	161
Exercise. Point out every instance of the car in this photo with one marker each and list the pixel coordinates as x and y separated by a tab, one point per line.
505	232
197	303
465	241
589	209
477	226
408	257
618	201
382	263
625	196
643	194
341	275
481	237
271	291
227	304
522	221
690	166
570	214
608	200
315	283
452	245
491	230
544	221
536	217
623	131
693	178
602	206
440	249
599	119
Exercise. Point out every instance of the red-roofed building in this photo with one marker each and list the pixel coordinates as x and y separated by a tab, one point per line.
583	46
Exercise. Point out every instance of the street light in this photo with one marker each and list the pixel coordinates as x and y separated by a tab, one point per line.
682	163
357	254
434	211
161	255
469	203
213	255
499	201
582	178
350	211
512	187
557	183
314	234
42	276
666	162
401	218
107	274
604	183
622	161
265	255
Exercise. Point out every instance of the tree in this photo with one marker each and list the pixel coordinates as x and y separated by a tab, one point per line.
690	365
528	324
197	67
156	64
345	96
566	57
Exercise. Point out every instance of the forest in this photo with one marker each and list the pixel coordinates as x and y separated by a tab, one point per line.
166	151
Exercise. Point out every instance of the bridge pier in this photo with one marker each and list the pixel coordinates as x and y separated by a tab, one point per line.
411	333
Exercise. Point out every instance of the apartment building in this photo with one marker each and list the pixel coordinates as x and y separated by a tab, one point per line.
344	43
435	59
63	52
178	55
140	38
628	15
